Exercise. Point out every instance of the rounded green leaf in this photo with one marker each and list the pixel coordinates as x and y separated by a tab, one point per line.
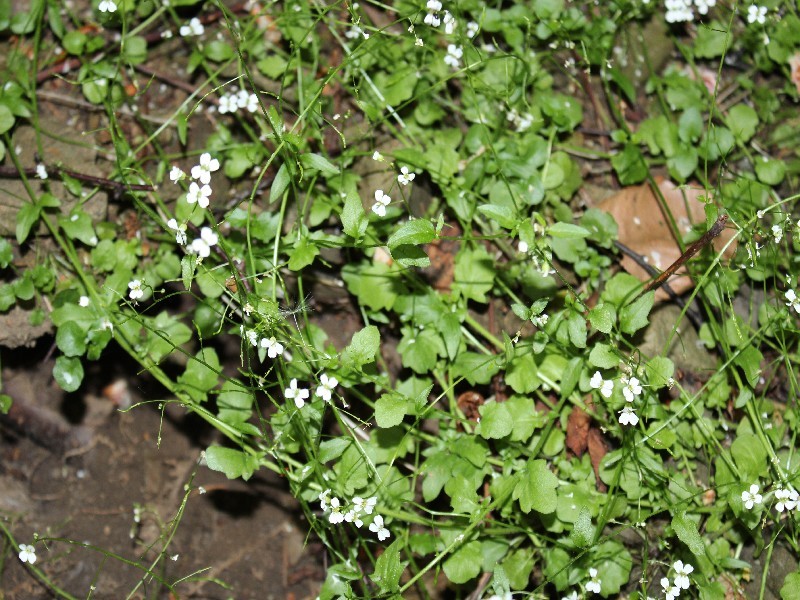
71	339
496	421
68	373
464	564
6	119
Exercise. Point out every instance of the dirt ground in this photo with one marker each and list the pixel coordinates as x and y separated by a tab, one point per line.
75	467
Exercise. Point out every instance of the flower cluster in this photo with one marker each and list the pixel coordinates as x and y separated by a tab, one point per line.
679	11
300	395
273	347
680	582
338	513
233	101
631	390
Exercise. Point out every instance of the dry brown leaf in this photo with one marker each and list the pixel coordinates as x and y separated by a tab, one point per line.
794	70
644	229
578	431
597	450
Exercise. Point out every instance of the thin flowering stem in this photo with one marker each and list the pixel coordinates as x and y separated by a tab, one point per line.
101	182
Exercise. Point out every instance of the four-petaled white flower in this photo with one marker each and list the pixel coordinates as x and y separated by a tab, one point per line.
365	505
193	27
682	572
107	6
432	18
787	499
273	346
405	176
792	300
522	247
777	233
202	245
449	23
453	57
354	517
632	388
377	156
627	416
472	29
757	14
27	554
252	337
299	396
198	194
41	171
135	287
606	386
377	527
176	174
227	104
207	166
670	591
594	583
328	384
83	301
381	202
180	231
336	515
751	497
324	500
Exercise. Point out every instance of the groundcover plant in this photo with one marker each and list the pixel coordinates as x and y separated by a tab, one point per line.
513	285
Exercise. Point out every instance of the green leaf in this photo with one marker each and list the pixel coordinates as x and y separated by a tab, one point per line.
68	373
27	216
78	226
6	119
5	403
518	566
659	370
280	183
749	359
319	163
218	51
354	220
411	256
362	348
416	232
496	421
686	530
388	568
390	410
475	367
770	171
303	254
603	356
536	488
750	456
71	339
504	216
712	40
420	349
463	497
235	403
474	273
742	120
567	231
582	534
234	463
630	165
134	49
464	564
791	587
576	326
634	316
603	316
201	374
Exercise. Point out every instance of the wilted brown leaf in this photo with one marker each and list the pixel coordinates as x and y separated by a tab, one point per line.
644	229
597	450
578	431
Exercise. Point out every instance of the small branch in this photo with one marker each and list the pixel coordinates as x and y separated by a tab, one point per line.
102	182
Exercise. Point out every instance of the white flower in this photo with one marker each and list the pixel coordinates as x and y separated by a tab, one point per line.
792	300
434	5
273	346
227	104
352	516
194	27
472	29
540	321
176	174
573	595
453	57
324	499
198	194
606	386
631	389
449	23
41	171
678	11
202	245
83	301
252	103
180	231
252	337
777	233
627	416
324	391
377	527
757	14
522	247
594	583
107	6
381	202
135	287
299	396
377	156
207	166
787	499
365	505
405	177
682	574
670	592
704	5
336	515
751	497
27	553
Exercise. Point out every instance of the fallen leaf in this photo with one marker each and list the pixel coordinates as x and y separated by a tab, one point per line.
794	70
644	229
597	450
578	431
